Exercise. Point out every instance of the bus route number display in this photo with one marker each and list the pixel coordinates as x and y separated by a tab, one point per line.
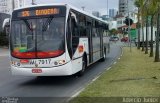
39	12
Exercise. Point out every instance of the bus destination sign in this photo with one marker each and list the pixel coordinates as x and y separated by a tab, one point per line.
39	12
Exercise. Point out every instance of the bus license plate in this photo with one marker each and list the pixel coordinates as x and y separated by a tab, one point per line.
41	61
36	70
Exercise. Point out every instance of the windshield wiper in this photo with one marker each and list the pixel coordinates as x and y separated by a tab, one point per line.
27	24
46	24
29	27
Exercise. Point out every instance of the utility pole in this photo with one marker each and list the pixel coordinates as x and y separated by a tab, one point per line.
129	27
83	8
13	5
33	2
107	7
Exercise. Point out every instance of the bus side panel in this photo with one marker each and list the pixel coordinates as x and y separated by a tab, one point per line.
96	48
78	55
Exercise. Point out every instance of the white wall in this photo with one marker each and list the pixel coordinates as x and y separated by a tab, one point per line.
120	22
112	25
149	34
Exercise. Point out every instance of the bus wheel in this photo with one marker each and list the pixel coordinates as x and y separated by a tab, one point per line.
104	55
80	73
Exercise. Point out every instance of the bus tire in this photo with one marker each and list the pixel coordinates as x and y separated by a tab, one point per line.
104	55
84	65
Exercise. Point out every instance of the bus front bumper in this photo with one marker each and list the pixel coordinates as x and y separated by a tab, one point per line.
62	70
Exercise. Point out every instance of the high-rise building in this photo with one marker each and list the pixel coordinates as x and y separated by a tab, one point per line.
19	3
7	6
125	6
112	13
96	13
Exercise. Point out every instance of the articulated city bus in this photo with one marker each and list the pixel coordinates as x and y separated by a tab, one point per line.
55	40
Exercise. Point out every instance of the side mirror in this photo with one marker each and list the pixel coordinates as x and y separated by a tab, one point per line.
6	23
74	19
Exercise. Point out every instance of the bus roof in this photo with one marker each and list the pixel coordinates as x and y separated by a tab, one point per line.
64	4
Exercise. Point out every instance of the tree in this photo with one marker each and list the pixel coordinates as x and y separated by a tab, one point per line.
137	4
141	2
113	32
146	14
158	32
151	11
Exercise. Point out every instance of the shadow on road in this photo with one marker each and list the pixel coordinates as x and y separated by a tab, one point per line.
62	80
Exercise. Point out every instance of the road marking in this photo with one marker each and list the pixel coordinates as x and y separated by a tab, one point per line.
95	78
77	93
114	62
109	68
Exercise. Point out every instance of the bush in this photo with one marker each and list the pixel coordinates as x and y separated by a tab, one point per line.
3	39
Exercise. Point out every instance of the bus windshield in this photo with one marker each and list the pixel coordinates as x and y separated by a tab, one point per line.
37	38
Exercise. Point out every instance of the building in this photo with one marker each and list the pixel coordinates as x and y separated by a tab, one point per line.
112	13
105	17
112	24
96	13
19	3
7	6
126	6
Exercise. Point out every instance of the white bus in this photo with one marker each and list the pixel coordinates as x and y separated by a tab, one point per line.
55	40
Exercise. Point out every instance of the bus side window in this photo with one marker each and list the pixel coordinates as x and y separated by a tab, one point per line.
74	28
69	37
83	27
75	31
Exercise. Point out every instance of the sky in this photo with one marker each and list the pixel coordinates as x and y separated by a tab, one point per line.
90	5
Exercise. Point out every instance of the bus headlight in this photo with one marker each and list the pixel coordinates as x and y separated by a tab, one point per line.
59	62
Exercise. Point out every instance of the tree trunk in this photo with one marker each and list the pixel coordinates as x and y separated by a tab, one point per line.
142	36
157	40
146	42
138	44
151	42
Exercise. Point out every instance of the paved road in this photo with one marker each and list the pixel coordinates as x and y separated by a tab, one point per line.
20	86
4	52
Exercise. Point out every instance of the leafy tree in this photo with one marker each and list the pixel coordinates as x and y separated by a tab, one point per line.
157	3
113	32
137	4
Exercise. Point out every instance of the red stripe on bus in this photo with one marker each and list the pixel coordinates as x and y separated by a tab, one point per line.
39	54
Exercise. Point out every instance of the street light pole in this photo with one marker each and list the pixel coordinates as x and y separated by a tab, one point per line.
13	5
33	2
107	7
83	8
129	27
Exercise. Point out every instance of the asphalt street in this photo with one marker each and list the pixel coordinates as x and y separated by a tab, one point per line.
66	86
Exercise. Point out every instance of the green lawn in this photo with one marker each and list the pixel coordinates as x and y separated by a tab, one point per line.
134	75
